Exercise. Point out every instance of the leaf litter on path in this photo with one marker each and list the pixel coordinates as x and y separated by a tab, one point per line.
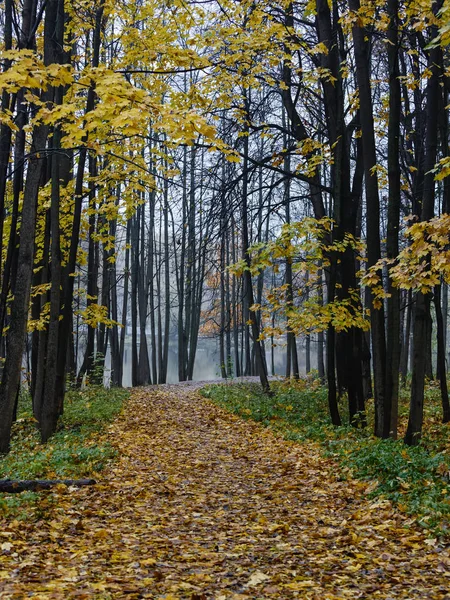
203	505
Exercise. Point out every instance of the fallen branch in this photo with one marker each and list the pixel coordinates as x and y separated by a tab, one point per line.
11	486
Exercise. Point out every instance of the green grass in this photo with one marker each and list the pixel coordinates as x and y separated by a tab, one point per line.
415	479
75	451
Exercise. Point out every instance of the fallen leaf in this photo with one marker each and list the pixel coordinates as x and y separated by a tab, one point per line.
257	578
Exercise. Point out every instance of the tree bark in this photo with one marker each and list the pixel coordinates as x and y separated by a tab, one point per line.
441	368
247	277
15	343
422	316
361	50
390	422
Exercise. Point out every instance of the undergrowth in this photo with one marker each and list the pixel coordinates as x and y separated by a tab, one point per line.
76	451
415	479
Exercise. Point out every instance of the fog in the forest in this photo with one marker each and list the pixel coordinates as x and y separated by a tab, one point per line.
207	364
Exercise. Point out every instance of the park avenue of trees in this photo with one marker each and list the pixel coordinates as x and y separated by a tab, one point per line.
269	173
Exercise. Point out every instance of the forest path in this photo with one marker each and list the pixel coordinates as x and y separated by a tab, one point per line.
201	504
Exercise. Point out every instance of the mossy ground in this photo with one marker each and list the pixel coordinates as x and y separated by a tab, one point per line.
77	450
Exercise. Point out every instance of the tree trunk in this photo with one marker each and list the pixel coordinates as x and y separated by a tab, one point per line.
126	277
422	316
143	373
247	277
67	278
320	336
134	309
406	337
20	305
361	50
112	270
15	343
5	131
167	309
392	248
441	369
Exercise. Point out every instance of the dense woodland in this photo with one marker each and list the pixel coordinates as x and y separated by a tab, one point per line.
267	173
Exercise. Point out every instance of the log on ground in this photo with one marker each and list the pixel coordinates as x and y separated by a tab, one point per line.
11	486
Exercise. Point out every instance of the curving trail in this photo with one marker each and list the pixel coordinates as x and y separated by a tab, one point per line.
203	505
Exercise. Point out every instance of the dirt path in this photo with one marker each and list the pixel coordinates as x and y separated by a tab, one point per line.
203	505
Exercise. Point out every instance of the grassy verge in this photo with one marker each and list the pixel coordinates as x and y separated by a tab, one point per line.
416	479
75	451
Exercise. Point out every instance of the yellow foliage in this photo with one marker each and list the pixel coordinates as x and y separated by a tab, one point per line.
96	314
422	263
